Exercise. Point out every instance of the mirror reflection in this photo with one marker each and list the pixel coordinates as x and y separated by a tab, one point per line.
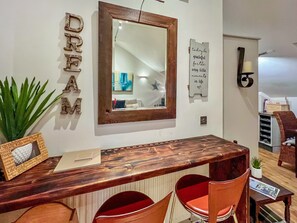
138	66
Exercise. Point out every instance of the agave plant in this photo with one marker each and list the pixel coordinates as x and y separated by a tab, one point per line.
256	163
19	109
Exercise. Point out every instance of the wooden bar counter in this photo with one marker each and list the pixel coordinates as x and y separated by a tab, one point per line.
123	165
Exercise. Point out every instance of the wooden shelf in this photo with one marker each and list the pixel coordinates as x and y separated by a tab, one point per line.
265	143
269	134
123	165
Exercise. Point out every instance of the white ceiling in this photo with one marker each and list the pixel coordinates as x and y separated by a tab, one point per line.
275	23
278	76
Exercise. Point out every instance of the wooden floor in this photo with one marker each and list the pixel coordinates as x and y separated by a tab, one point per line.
284	176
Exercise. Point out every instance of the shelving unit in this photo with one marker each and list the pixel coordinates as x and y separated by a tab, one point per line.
269	134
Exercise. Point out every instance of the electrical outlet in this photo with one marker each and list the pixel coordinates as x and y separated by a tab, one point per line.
203	120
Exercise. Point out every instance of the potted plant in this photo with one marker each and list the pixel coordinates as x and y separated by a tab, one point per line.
21	107
256	167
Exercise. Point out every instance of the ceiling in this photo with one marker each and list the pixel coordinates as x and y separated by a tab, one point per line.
146	43
275	23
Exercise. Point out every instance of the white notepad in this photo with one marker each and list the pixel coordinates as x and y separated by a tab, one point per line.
78	159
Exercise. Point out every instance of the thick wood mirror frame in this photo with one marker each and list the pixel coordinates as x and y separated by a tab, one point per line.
108	12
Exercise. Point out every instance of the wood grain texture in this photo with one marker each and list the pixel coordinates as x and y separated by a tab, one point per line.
122	165
287	122
258	199
49	213
284	176
155	213
106	115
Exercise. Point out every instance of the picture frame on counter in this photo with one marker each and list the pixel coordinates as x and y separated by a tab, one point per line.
20	155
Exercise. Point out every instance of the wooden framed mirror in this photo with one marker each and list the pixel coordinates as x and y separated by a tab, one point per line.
137	68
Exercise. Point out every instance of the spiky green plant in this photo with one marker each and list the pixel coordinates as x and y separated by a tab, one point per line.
256	163
19	109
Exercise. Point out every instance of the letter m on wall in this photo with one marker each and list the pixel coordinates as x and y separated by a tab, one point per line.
68	109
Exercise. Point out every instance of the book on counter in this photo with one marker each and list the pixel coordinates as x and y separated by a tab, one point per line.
264	188
78	159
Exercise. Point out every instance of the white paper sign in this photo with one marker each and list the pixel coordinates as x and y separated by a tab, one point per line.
199	57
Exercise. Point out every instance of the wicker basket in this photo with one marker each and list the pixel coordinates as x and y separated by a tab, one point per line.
270	108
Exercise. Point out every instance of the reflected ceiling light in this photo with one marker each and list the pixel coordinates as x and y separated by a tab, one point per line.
142	76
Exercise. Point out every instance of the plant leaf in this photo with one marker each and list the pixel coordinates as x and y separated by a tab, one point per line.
20	109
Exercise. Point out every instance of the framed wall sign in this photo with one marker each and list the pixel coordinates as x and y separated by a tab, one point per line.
199	63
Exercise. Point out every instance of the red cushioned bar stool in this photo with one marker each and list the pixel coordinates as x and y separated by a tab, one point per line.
132	207
210	201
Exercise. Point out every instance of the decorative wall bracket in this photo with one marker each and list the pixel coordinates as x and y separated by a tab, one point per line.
244	70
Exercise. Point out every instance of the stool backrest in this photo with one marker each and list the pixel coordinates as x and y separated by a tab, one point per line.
48	213
154	213
223	194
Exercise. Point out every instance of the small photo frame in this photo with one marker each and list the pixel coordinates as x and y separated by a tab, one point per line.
22	154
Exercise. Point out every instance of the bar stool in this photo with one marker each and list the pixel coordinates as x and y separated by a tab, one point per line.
211	201
132	206
48	213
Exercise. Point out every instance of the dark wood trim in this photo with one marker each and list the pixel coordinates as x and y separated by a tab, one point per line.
123	165
106	115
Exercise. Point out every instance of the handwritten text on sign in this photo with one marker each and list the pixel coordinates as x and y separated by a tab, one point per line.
199	53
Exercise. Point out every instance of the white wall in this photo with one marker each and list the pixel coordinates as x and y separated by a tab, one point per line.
240	104
36	41
273	21
277	76
33	46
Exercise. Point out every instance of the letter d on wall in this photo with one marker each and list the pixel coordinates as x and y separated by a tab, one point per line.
70	20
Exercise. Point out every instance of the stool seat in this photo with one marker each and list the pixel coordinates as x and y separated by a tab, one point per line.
128	208
56	212
211	201
132	207
200	206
